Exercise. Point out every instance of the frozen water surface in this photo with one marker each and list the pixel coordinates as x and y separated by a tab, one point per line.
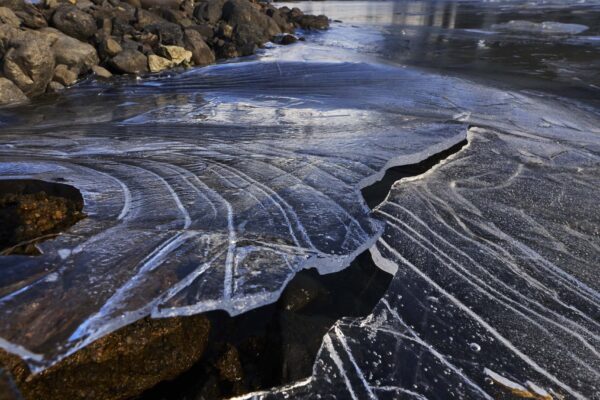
210	189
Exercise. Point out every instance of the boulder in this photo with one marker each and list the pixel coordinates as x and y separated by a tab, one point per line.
74	22
168	33
10	93
29	62
71	52
204	29
251	27
7	16
313	22
157	63
287	39
64	75
13	4
280	19
120	365
209	10
201	53
130	62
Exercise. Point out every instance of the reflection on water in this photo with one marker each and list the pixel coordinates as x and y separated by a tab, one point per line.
461	37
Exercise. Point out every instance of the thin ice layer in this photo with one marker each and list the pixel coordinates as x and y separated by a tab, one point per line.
205	191
496	254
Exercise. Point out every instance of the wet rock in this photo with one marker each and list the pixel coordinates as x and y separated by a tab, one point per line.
10	93
64	75
7	16
130	62
120	365
157	63
168	33
229	365
74	22
29	63
201	53
209	11
8	389
177	55
287	39
72	52
280	19
101	72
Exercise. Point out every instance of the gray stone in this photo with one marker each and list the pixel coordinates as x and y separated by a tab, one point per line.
109	47
130	62
210	10
71	52
201	53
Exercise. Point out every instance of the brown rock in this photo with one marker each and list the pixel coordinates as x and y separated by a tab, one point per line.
313	22
130	62
29	63
7	16
229	365
64	75
109	48
101	72
209	10
32	17
10	93
287	39
177	55
120	365
201	53
74	22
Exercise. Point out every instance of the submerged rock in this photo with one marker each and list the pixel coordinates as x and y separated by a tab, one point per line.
120	365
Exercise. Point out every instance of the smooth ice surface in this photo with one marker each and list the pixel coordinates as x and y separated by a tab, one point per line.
204	191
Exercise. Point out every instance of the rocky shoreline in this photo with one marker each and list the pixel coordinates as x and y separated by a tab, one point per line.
49	46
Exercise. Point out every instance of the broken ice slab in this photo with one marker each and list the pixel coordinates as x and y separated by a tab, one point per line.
496	292
204	191
546	27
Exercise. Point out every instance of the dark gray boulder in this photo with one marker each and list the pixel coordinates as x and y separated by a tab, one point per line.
168	33
251	27
209	10
129	61
201	53
74	22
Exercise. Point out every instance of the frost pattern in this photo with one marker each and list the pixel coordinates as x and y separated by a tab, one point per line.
495	253
205	191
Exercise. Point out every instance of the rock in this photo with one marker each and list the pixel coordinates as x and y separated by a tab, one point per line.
251	27
10	93
7	16
29	63
64	75
109	47
229	365
71	52
280	20
178	55
13	4
32	17
201	53
209	10
145	18
130	62
160	3
101	72
168	33
74	22
204	29
313	22
55	87
120	365
157	63
287	39
8	388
